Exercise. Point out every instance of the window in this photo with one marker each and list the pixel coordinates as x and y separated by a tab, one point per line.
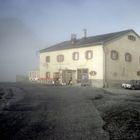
114	55
60	58
75	56
47	74
131	37
89	54
56	75
47	58
138	73
128	57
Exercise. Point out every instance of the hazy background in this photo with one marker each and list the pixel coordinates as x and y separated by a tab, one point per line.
27	26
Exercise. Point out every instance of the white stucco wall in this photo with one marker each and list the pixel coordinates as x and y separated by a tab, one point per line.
94	64
120	69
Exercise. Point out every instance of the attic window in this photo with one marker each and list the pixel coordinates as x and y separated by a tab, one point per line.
114	55
131	37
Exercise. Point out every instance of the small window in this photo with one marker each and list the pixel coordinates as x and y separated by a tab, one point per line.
75	56
114	55
128	57
131	37
47	59
89	54
47	74
60	58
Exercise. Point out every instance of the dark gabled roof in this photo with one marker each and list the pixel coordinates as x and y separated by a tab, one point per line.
93	40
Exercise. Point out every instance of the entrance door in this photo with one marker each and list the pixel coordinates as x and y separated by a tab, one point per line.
82	73
68	75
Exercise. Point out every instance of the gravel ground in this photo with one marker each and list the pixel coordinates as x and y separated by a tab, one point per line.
39	112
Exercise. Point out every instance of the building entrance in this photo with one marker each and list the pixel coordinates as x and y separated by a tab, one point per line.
82	74
68	76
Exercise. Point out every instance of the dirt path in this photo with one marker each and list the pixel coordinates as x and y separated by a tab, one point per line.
71	114
37	112
53	114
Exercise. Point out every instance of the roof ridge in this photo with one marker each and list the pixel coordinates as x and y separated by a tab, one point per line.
112	33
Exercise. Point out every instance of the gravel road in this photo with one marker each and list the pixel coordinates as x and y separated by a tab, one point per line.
39	112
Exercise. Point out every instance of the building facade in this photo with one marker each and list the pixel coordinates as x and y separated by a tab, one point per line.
104	60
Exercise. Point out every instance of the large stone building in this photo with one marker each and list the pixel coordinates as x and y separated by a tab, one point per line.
104	59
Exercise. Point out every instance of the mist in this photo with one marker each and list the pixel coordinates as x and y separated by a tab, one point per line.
27	26
18	49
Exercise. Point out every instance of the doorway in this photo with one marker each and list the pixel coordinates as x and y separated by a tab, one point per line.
82	73
68	75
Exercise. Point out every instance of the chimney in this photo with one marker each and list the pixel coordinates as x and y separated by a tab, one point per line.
73	38
84	33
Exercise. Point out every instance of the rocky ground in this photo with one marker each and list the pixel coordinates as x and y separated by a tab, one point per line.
39	112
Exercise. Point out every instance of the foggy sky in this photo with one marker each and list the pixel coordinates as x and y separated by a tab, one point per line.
18	47
27	26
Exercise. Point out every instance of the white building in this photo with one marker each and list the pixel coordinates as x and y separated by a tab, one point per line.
34	76
105	59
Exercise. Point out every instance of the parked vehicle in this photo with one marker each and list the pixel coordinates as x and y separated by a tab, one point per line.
132	84
124	85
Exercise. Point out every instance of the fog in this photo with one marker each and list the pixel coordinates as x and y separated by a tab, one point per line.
26	26
18	49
